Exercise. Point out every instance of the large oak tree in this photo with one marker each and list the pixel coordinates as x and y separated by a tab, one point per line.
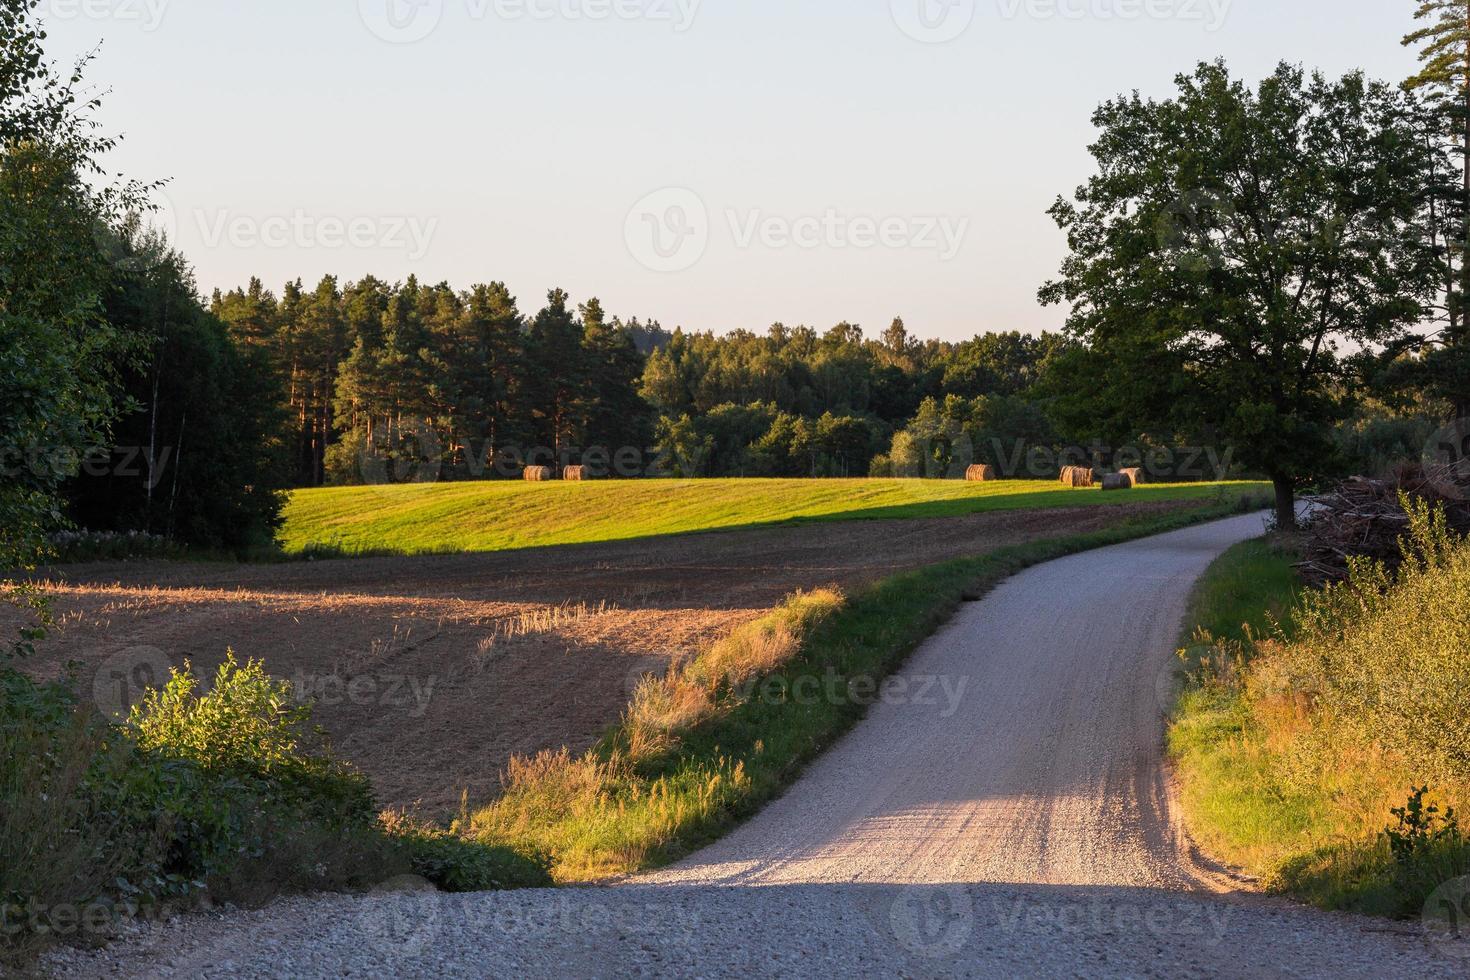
1236	247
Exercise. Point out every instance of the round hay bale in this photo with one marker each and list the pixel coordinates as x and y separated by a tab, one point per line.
981	474
1134	474
539	474
576	474
1117	481
1078	476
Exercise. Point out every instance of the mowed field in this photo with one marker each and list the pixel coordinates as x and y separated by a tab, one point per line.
430	671
452	517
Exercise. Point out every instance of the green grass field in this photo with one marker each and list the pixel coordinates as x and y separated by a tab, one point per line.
499	516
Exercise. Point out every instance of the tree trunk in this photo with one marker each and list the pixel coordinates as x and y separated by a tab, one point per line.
1285	503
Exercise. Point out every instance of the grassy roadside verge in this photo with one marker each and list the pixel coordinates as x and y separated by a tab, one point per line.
720	738
1295	743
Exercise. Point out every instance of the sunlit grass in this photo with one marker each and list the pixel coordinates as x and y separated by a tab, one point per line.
497	516
1290	779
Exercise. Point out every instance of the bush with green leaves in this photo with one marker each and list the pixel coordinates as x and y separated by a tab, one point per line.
250	732
1385	655
227	789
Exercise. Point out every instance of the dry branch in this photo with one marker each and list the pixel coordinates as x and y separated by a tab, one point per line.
1363	518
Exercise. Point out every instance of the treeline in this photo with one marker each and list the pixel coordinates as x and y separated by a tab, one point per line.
372	382
407	382
390	383
195	452
798	403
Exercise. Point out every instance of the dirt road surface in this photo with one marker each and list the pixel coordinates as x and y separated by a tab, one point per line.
1024	828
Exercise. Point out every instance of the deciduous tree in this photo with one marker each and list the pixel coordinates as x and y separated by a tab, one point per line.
1234	246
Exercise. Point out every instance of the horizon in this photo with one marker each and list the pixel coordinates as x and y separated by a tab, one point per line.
728	201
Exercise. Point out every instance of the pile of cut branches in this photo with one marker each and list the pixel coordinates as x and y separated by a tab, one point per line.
1363	518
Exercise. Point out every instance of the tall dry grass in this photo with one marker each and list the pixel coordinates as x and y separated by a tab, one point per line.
1297	748
664	707
604	814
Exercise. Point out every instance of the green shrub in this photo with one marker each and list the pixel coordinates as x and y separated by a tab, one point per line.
250	731
1386	656
226	790
458	864
55	847
1294	750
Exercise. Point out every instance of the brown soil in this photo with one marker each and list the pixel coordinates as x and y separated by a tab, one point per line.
431	672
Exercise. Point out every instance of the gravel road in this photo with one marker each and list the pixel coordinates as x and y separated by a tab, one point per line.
1005	810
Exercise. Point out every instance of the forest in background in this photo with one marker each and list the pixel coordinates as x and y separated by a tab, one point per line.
1296	329
377	382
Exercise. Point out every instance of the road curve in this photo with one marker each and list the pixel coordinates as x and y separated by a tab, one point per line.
1004	811
1023	743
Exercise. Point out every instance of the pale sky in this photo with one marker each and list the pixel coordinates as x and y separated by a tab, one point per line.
708	163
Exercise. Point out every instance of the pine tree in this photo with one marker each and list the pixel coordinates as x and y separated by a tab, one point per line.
1445	78
489	350
557	375
616	417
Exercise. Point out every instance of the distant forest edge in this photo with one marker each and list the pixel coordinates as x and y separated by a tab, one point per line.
1308	322
372	382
